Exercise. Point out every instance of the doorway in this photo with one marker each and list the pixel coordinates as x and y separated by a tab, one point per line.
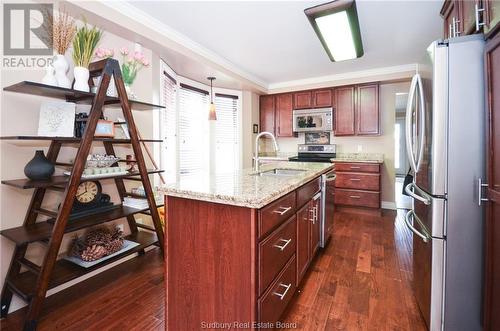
401	163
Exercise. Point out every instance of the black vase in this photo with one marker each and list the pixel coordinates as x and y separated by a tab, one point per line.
39	167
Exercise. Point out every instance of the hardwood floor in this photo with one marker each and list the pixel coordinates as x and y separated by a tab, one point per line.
360	282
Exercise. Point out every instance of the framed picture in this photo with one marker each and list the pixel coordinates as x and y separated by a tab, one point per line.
57	119
105	129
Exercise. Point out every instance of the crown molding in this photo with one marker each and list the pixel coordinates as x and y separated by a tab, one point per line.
130	17
353	77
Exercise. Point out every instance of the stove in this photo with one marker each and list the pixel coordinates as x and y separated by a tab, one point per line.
314	153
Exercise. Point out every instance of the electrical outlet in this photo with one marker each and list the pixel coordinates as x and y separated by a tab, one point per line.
360	148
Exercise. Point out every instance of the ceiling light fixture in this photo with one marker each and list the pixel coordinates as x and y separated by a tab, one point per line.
212	116
337	26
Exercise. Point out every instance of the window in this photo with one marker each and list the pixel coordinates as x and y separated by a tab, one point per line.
168	120
192	143
226	133
193	133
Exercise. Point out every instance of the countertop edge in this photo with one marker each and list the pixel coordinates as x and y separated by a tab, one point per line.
227	200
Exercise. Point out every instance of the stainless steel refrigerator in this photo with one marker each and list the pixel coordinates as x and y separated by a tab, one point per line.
446	149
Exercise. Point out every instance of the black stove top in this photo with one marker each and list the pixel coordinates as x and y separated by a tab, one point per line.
309	159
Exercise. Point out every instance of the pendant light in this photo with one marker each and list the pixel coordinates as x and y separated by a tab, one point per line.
212	116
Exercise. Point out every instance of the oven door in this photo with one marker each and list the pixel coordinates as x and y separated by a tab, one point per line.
312	120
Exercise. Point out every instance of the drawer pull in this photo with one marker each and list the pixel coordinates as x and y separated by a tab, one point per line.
355	196
282	210
282	247
354	167
282	295
355	179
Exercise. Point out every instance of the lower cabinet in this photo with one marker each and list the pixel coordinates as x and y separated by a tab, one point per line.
286	251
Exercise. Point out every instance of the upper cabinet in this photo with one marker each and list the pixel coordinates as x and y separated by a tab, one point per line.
451	14
312	99
367	110
267	116
491	15
344	111
463	17
355	109
322	98
284	109
302	100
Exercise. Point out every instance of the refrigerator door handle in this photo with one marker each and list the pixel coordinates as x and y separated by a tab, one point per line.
411	188
421	110
409	140
411	214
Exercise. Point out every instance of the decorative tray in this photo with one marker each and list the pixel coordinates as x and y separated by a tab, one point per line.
110	174
127	245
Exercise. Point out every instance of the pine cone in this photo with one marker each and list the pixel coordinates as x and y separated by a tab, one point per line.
77	247
114	246
93	253
99	236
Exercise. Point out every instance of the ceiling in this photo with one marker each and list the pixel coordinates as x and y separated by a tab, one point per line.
273	40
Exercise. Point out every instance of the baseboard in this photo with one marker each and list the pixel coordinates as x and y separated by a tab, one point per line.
389	205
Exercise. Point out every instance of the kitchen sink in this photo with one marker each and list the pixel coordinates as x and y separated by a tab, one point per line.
281	172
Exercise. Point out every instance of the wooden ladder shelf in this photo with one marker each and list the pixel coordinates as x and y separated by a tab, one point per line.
32	284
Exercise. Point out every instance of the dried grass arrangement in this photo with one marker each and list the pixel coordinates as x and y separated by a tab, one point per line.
60	30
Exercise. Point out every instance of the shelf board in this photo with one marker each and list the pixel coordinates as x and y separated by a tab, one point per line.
65	271
71	95
43	230
26	183
77	140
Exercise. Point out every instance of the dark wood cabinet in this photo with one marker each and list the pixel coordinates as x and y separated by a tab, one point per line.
344	111
267	113
284	121
304	216
451	13
367	110
357	185
491	15
492	235
322	98
302	100
468	15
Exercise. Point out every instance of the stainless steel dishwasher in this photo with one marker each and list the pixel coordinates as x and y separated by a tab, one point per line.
327	206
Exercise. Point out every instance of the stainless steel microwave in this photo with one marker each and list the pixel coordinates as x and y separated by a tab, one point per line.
310	120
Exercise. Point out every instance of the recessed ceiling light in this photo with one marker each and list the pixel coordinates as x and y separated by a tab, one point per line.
337	26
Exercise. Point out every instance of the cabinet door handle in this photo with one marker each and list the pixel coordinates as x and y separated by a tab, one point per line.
282	210
450	31
355	179
456	31
311	211
481	185
355	196
354	167
282	247
282	295
476	11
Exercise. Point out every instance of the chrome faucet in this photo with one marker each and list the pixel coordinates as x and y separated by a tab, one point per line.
256	155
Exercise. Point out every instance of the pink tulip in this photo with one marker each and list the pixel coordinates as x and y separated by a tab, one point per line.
145	62
124	51
110	52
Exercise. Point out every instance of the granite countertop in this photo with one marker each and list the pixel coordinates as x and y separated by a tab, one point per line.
244	188
358	157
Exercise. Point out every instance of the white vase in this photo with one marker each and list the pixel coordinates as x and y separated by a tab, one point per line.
81	79
49	78
130	94
61	66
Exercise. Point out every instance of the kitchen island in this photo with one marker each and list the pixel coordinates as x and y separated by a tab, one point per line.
238	244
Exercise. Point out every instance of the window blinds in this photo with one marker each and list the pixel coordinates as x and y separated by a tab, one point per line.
168	125
226	133
193	134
